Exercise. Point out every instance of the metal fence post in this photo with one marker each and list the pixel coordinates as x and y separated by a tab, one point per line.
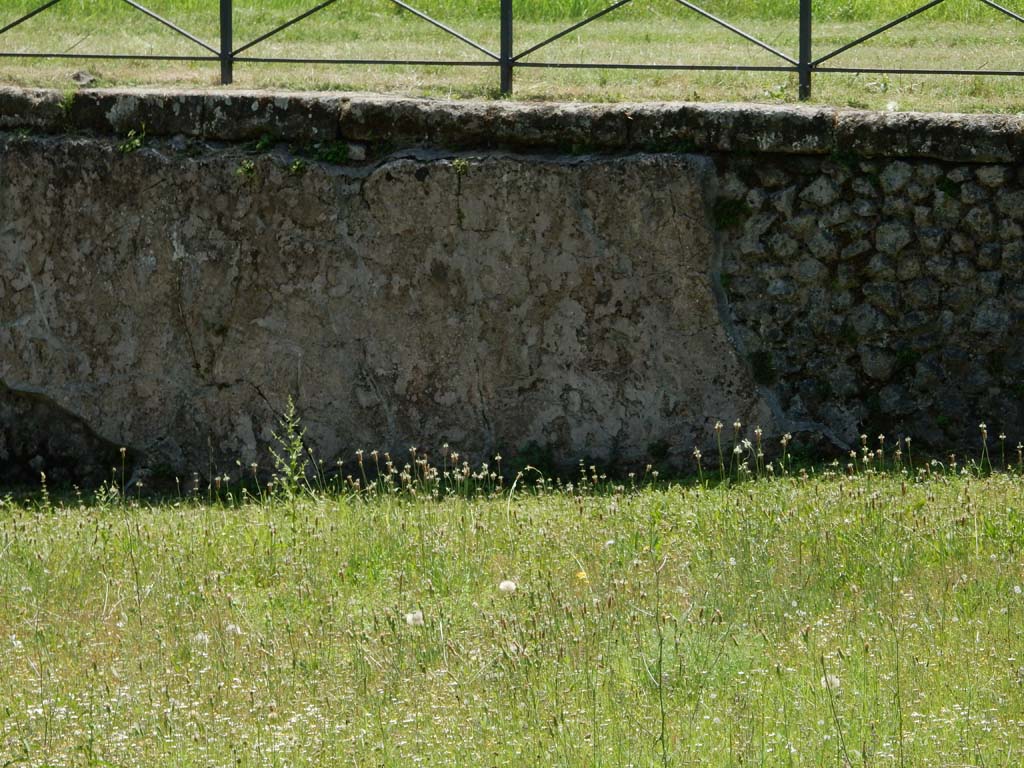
505	58
804	65
227	60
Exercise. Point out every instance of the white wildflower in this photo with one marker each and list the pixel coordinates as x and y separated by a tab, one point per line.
414	619
507	586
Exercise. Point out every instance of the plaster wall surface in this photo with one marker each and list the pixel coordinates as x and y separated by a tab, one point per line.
567	281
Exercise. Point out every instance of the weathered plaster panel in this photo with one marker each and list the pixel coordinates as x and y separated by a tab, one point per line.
173	299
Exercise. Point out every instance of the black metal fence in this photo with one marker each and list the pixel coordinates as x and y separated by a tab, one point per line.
506	59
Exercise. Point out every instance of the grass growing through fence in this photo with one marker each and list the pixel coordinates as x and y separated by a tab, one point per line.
871	618
956	34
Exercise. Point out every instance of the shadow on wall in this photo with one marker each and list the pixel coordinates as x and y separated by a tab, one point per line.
37	435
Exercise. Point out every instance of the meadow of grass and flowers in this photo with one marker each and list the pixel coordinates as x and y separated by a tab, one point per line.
416	611
957	34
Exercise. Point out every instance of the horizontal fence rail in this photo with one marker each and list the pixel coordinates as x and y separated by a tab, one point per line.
804	65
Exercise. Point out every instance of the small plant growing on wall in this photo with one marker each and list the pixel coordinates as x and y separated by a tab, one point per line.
246	169
67	103
763	368
729	213
133	141
335	152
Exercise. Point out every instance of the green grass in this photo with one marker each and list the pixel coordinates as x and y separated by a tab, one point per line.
527	10
957	34
797	620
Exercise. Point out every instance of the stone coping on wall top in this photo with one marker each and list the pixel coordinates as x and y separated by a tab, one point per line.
231	115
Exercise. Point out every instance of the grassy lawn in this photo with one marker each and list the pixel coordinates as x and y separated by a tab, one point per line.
957	34
791	620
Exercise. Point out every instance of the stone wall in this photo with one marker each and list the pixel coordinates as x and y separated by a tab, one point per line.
565	282
879	295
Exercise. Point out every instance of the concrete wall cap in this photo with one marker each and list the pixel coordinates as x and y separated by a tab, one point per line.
231	115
